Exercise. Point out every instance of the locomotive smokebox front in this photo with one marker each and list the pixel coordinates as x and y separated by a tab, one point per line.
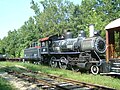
93	43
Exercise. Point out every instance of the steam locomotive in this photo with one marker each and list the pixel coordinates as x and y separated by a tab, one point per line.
80	53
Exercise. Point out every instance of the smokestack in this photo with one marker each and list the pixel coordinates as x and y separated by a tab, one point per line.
91	30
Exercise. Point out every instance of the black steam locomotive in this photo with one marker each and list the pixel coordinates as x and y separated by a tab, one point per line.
67	52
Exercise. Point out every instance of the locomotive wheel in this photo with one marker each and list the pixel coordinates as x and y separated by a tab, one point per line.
53	62
63	63
39	62
94	69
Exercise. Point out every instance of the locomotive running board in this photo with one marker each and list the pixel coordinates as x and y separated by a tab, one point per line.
110	73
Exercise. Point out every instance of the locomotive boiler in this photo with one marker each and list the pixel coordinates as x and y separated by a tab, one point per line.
81	43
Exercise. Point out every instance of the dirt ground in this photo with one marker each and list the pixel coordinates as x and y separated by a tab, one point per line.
18	83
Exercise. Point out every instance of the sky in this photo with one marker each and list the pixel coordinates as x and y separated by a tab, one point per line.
13	14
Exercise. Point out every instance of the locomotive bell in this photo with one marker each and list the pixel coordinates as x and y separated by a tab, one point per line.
91	30
82	34
97	33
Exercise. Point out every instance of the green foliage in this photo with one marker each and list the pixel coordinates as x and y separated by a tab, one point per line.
4	85
56	17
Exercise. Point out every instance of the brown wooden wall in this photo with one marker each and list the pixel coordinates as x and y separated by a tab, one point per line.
111	51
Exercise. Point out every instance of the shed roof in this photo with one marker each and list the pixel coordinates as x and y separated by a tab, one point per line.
113	24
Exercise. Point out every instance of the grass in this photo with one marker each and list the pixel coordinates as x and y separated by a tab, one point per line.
5	85
95	79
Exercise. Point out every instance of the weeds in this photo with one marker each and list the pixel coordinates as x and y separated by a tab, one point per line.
95	79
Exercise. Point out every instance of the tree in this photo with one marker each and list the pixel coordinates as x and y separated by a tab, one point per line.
54	18
57	16
99	12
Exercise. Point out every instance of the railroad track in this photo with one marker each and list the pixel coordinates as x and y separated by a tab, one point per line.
52	82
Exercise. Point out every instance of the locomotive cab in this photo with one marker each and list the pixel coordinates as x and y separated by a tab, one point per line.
44	45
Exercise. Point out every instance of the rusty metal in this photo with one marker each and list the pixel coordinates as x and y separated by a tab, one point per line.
57	82
82	83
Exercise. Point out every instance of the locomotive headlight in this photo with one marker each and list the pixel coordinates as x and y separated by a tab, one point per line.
100	45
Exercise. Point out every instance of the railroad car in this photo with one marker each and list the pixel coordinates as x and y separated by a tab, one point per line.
80	53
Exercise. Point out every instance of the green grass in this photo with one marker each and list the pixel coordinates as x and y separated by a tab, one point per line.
4	85
95	79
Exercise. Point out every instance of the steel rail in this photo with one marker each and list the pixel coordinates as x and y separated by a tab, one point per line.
56	78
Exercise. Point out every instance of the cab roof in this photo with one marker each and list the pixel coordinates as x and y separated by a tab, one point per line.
53	37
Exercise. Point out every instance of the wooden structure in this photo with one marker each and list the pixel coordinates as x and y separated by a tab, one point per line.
113	40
